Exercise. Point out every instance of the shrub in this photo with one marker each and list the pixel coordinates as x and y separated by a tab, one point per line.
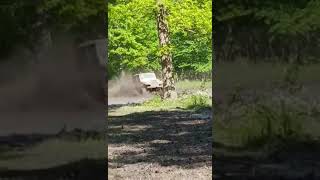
194	102
266	123
275	122
198	102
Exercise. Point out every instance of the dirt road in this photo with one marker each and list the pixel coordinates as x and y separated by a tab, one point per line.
127	100
50	122
159	145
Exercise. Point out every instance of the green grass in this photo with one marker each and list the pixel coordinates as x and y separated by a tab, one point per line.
187	102
260	76
266	121
53	153
186	85
193	102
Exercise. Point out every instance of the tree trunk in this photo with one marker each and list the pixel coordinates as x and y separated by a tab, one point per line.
168	90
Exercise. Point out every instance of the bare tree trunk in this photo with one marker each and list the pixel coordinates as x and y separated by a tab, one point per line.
168	90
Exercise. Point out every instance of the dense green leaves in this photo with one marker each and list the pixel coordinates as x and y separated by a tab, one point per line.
191	28
17	18
283	17
71	12
132	36
267	30
133	39
21	20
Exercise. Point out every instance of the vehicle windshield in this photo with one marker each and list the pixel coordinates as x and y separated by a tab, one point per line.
148	76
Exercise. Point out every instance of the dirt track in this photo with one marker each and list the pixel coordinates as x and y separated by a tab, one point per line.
50	122
159	145
127	100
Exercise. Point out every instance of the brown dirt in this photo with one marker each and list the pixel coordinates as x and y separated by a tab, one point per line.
241	164
159	145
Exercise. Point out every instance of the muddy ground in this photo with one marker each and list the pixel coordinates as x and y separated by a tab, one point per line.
158	145
154	144
241	164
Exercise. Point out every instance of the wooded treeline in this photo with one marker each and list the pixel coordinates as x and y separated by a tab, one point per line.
41	39
273	31
277	31
133	39
29	24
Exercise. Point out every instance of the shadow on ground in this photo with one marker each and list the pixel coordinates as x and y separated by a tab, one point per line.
296	162
81	170
271	157
167	138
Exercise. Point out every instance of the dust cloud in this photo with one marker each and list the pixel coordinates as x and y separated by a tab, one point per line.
51	90
124	90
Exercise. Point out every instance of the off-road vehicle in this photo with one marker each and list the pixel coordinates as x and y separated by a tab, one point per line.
147	82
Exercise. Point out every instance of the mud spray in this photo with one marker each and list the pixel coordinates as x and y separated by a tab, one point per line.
122	90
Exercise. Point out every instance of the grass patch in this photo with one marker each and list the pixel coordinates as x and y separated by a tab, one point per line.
260	111
186	85
198	102
193	102
53	153
187	102
266	122
258	76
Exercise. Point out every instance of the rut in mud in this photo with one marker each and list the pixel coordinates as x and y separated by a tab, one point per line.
159	145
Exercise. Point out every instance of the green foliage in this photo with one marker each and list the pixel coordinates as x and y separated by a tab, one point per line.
198	102
23	19
282	17
268	30
291	18
192	85
267	123
71	13
191	30
193	102
133	38
291	78
19	17
260	123
155	102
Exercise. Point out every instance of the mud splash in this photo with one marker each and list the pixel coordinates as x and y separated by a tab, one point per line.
122	90
42	94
